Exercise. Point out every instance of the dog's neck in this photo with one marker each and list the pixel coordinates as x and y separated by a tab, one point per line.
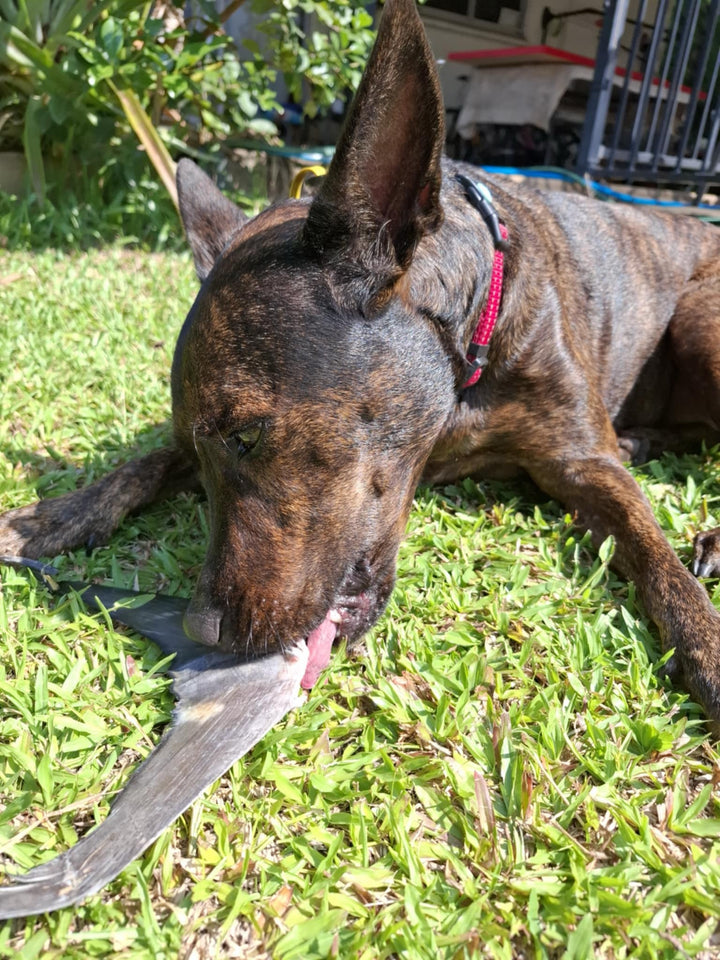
451	273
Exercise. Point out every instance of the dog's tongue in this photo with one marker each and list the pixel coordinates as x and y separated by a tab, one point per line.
319	645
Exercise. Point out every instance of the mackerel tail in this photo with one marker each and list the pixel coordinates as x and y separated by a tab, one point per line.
224	707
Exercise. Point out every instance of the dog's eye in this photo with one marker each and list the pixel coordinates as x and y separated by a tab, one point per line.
247	438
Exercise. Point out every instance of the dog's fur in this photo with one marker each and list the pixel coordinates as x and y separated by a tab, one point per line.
320	372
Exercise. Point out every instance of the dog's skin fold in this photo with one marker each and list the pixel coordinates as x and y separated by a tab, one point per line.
319	376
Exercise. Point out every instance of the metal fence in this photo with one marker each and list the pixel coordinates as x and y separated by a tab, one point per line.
654	109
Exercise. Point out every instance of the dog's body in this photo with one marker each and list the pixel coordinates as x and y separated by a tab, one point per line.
321	372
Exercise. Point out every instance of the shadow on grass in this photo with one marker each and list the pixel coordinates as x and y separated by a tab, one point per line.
147	220
56	474
89	211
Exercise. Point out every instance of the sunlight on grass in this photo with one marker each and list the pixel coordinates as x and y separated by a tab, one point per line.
501	772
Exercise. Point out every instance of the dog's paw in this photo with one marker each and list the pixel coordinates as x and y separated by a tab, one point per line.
634	447
49	527
90	515
706	554
21	533
695	662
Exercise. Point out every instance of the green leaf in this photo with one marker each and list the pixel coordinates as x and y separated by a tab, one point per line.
111	38
702	827
580	941
18	50
33	147
247	104
606	549
63	17
149	137
59	109
44	775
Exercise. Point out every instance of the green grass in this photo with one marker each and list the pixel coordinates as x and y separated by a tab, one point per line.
501	773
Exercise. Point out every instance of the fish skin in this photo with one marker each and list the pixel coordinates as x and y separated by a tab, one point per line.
224	707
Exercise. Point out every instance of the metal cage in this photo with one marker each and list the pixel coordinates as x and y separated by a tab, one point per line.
654	109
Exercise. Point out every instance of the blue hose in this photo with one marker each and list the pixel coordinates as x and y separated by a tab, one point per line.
543	173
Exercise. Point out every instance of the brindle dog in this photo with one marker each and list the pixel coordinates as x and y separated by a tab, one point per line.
321	373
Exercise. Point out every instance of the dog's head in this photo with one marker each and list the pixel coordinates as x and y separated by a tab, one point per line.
309	377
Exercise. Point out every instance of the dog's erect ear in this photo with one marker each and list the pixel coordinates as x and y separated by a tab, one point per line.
209	218
381	192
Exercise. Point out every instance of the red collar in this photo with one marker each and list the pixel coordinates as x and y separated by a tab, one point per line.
481	198
478	350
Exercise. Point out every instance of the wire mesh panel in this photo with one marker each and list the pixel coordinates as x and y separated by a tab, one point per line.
654	109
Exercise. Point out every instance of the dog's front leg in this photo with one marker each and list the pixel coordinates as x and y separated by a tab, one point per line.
89	516
606	499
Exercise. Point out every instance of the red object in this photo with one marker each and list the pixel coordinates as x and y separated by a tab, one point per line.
507	56
541	53
489	313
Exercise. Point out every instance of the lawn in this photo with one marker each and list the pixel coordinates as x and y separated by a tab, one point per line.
502	772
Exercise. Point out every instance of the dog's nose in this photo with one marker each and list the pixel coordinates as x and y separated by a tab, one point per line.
202	624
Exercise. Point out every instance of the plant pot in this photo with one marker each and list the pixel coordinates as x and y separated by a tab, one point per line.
13	170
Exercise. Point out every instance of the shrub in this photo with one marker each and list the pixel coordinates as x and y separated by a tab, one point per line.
76	76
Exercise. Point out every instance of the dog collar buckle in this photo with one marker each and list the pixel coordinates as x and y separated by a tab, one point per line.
477	358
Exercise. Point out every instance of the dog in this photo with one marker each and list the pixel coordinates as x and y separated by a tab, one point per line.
333	358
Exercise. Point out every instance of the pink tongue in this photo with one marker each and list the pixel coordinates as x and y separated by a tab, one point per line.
319	646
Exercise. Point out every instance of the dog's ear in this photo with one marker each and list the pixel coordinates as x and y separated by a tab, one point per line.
381	193
209	218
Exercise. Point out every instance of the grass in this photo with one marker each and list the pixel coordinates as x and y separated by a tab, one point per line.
501	773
